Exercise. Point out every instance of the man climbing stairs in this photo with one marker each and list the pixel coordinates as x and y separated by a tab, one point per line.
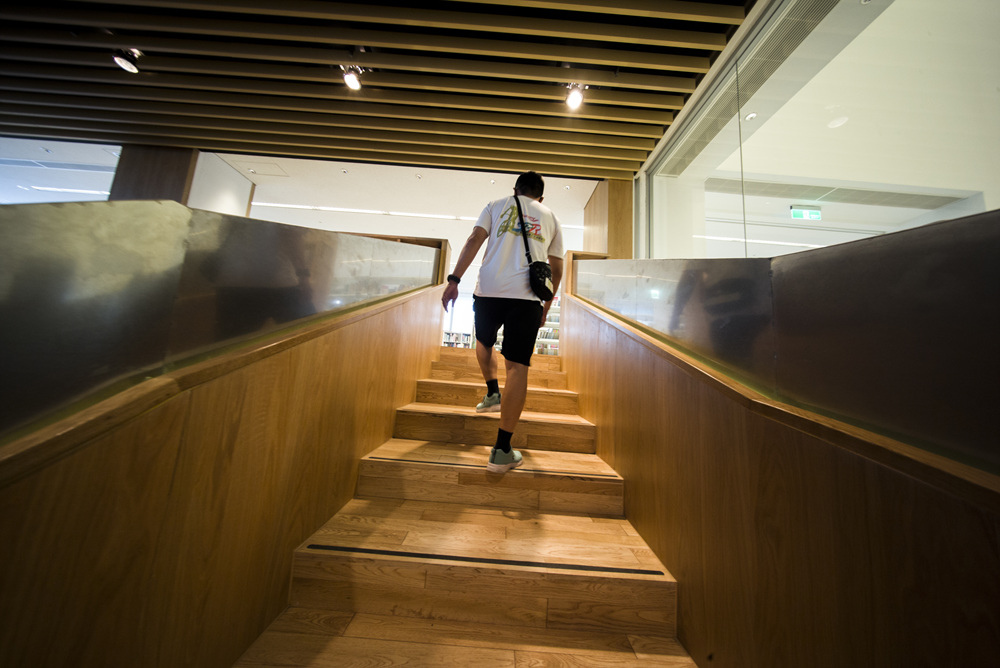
437	562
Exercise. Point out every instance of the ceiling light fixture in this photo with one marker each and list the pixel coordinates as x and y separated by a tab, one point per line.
352	76
128	59
749	117
575	97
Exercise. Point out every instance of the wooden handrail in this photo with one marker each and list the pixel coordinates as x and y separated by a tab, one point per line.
54	441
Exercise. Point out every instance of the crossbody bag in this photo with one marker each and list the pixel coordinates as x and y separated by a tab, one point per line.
539	273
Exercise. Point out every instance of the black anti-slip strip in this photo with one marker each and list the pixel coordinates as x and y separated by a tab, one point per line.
479	466
483	560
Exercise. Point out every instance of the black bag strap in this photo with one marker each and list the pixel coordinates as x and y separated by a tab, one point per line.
524	230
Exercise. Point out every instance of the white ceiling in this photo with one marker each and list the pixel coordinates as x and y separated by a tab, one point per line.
283	181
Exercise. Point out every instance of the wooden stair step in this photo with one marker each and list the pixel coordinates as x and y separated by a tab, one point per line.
447	370
471	563
465	393
322	638
468	356
452	472
305	636
460	424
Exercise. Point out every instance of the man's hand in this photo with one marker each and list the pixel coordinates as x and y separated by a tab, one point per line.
450	295
545	312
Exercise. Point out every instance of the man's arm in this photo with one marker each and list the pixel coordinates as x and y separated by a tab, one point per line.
465	258
557	270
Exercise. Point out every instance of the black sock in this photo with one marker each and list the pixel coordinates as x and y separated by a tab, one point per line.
503	440
493	386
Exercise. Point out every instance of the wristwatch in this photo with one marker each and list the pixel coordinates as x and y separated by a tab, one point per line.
453	277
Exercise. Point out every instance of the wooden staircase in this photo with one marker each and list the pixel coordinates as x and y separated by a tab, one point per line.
437	562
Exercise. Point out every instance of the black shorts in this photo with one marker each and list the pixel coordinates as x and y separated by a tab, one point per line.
520	318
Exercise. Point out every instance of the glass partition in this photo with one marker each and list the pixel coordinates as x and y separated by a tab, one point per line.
719	310
95	296
832	121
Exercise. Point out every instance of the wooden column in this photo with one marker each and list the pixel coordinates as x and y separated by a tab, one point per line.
607	220
154	172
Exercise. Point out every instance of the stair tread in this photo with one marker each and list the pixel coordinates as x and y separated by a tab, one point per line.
469	355
483	537
320	637
464	455
469	383
470	411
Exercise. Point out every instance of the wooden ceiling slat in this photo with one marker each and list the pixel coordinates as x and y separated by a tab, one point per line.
125	117
348	108
414	17
282	72
652	9
340	93
455	132
252	139
530	50
395	158
471	84
325	56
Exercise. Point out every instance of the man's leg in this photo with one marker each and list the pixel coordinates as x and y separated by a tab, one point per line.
504	457
487	361
522	328
515	389
487	326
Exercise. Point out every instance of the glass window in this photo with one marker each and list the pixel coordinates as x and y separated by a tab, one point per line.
836	121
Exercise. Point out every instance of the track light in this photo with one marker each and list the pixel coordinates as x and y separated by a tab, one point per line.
575	97
352	77
128	59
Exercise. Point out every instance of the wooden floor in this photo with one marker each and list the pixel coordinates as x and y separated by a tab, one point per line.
437	562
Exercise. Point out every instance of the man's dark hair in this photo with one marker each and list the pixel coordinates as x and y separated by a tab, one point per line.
530	184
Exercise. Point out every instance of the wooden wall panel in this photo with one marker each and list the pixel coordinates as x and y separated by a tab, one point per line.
789	549
154	172
620	223
80	548
166	540
595	220
607	220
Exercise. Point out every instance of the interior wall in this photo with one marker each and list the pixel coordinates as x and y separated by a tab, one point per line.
220	188
165	537
789	549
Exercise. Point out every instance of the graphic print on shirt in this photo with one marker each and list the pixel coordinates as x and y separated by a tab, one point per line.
508	224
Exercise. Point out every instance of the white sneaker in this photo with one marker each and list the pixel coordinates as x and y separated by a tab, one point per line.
489	404
501	462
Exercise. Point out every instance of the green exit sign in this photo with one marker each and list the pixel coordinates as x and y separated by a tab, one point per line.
806	213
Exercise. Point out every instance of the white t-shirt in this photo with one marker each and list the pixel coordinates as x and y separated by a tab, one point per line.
505	268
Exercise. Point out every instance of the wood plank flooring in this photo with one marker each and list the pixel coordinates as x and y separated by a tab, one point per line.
437	562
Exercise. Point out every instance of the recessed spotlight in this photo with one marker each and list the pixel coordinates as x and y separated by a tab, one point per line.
352	76
566	187
837	122
46	150
575	97
252	171
493	182
128	59
749	117
343	171
419	177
